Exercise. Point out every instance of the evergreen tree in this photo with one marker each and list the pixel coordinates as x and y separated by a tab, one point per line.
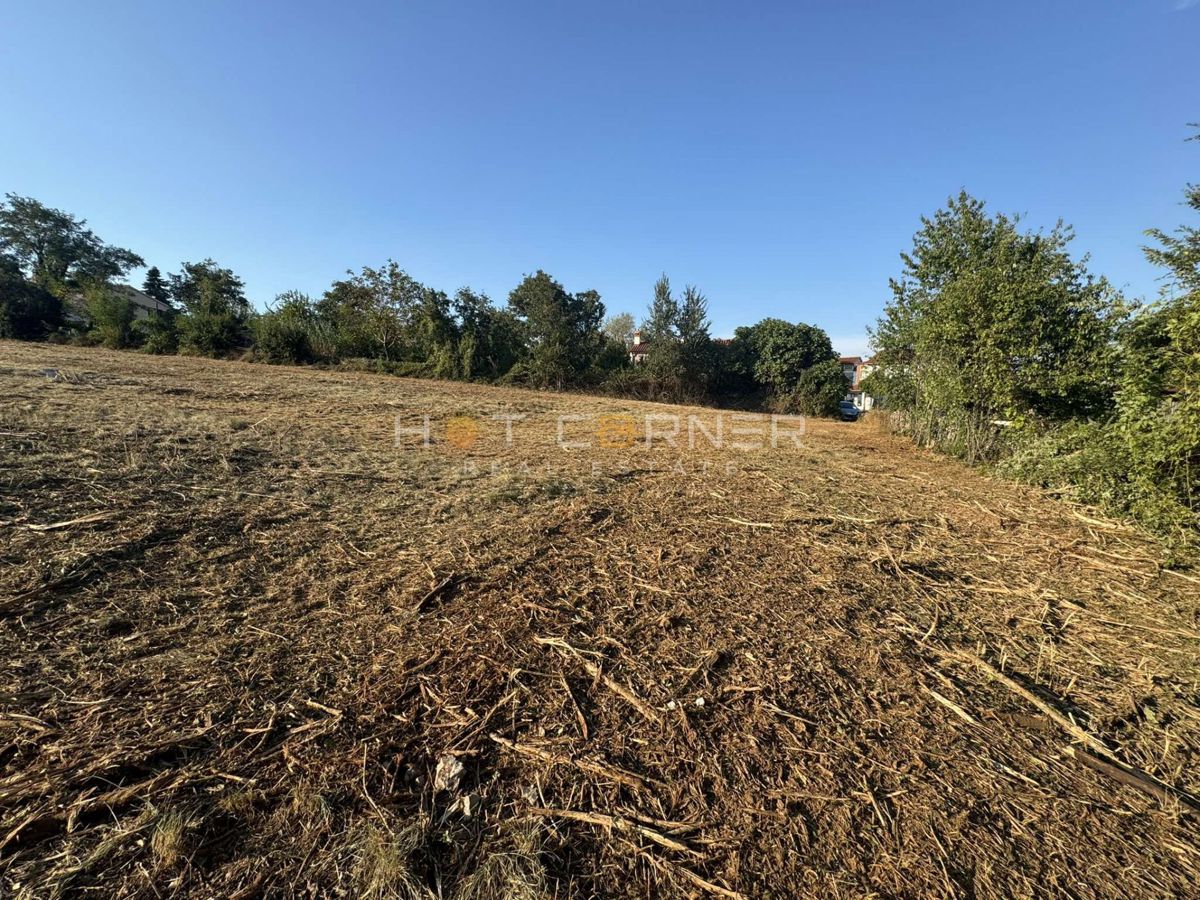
662	322
696	358
156	286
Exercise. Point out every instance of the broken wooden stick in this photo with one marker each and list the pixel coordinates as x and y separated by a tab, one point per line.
1097	753
613	773
596	672
695	879
439	588
616	823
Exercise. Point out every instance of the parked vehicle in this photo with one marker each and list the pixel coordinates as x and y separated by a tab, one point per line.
849	411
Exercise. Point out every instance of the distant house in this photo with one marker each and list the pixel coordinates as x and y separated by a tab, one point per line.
76	312
639	351
856	369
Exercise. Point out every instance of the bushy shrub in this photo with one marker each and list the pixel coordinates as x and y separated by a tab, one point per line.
643	383
214	333
819	389
283	334
27	312
112	316
216	310
157	334
989	322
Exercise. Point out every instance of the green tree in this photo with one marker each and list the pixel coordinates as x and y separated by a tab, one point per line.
696	358
780	352
157	333
437	336
819	389
1158	398
216	313
54	249
662	320
345	309
990	323
156	286
619	328
283	333
111	313
375	313
27	311
562	329
489	339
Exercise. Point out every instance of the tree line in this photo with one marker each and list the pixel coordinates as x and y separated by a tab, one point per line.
59	281
998	346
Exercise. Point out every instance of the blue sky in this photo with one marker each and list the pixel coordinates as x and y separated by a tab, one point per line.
777	155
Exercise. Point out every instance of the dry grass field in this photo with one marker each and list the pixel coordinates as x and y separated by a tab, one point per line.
252	647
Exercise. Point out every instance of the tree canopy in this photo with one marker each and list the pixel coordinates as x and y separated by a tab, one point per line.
988	322
562	329
56	250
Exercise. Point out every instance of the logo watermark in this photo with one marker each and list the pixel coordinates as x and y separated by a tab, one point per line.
621	431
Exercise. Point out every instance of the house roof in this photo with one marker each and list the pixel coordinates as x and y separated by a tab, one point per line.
846	360
139	298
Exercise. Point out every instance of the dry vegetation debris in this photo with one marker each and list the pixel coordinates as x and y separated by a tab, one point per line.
252	648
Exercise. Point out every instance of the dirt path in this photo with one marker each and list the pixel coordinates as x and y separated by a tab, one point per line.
243	632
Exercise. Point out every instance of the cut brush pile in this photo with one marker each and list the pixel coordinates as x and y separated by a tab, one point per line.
250	647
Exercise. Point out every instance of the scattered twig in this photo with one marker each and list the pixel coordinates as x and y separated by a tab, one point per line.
1131	776
616	823
613	773
596	672
437	590
82	520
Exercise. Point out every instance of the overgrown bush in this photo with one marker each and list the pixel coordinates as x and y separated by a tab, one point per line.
989	323
283	334
819	389
27	312
157	334
112	316
216	317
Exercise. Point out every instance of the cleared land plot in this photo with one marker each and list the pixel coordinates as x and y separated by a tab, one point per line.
250	647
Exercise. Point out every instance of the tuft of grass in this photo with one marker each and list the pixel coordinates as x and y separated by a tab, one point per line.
168	843
309	807
238	802
382	867
513	872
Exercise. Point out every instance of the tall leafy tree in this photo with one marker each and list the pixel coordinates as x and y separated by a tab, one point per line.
55	250
489	339
377	312
780	351
563	329
619	328
988	322
216	311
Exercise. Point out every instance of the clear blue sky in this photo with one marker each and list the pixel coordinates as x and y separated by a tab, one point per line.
778	155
